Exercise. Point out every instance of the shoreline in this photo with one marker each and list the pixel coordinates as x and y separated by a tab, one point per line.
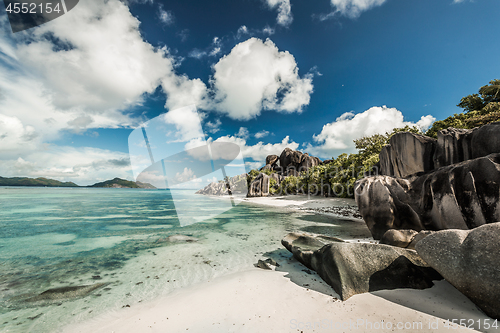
288	298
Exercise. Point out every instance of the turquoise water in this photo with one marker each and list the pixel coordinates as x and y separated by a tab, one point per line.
113	248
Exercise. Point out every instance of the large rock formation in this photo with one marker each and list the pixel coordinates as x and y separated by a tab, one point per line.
426	184
407	154
405	238
260	186
355	268
469	260
459	196
234	185
292	162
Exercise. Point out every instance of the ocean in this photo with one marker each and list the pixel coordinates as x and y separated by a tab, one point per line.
70	254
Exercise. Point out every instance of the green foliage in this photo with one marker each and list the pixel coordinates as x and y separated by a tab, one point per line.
252	175
338	177
479	109
290	185
273	186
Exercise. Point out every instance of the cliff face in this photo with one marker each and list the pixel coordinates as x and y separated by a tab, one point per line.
449	183
409	153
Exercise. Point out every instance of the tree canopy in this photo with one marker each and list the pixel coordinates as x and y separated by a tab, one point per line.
479	109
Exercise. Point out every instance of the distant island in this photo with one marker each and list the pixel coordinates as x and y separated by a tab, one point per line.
122	183
45	182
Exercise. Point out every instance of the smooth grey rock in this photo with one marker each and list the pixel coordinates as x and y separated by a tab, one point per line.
263	265
398	238
66	293
355	268
405	238
453	146
407	154
259	187
418	237
470	261
460	196
272	160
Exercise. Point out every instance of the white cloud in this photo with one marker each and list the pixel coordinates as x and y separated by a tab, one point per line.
337	137
285	16
84	166
268	30
166	16
97	64
425	122
353	8
185	176
261	134
259	151
213	127
187	122
243	30
243	133
257	76
14	136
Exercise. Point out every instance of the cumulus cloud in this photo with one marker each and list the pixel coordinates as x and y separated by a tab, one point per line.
261	134
243	133
95	64
257	76
259	151
337	137
84	166
285	16
90	70
352	8
186	175
166	16
213	127
14	136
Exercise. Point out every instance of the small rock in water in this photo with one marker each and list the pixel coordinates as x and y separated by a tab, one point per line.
35	317
307	271
96	277
138	283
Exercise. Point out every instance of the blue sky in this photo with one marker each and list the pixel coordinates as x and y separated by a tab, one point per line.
264	74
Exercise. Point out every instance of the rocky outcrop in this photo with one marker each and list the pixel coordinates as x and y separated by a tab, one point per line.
458	145
469	261
404	238
260	186
234	185
355	268
293	162
425	184
272	160
407	154
459	196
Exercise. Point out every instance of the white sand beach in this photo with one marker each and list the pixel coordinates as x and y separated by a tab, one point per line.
292	299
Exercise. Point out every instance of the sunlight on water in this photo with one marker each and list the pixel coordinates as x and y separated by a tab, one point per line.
114	248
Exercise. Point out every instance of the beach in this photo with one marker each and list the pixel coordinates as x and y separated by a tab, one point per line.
291	298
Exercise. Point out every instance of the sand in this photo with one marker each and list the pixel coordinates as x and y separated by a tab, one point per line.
291	299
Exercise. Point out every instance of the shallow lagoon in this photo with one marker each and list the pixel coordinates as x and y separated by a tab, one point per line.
117	240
